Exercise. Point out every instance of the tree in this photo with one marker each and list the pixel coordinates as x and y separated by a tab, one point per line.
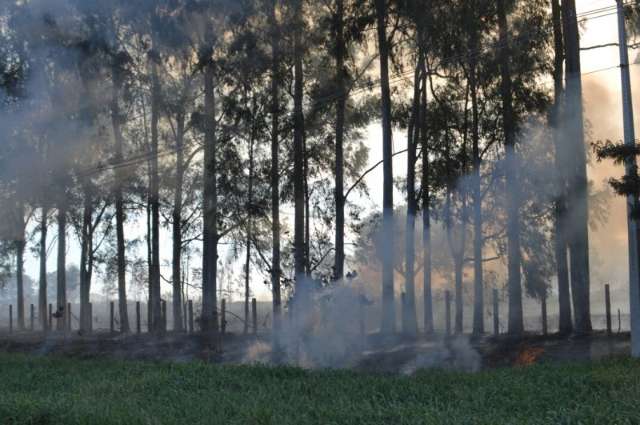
388	307
560	223
516	324
577	201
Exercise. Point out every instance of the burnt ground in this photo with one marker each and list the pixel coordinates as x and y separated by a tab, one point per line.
386	356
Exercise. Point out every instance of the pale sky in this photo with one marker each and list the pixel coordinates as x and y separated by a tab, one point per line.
602	108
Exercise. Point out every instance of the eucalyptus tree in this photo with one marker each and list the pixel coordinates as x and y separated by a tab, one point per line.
388	325
577	201
560	214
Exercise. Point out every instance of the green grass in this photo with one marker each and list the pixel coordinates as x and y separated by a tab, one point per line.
43	390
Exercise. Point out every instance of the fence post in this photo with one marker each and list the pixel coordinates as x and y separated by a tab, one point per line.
69	317
191	330
10	318
185	320
90	317
223	314
163	304
31	317
112	316
619	321
447	309
149	316
607	305
545	325
138	329
496	313
254	311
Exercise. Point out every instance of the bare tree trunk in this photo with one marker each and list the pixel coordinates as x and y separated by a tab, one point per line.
516	323
388	303
458	271
85	260
478	238
561	160
116	121
409	320
20	245
340	122
156	306
307	211
275	169
61	324
298	154
577	202
247	266
42	293
177	227
426	207
209	317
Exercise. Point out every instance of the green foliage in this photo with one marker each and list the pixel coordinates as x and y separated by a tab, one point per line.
47	391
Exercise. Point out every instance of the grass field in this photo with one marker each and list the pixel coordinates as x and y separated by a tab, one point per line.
41	390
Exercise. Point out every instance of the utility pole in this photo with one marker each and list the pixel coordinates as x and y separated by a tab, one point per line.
632	200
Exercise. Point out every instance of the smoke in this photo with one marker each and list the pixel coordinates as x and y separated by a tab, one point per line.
325	330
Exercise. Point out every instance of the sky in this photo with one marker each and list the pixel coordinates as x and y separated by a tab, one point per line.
603	109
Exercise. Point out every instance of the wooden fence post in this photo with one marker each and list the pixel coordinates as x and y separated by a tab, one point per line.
190	304
112	324
185	319
223	314
163	305
447	309
254	311
10	318
69	316
138	328
90	317
607	305
149	316
496	313
619	321
545	323
31	317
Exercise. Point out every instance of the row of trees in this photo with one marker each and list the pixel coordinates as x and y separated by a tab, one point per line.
213	117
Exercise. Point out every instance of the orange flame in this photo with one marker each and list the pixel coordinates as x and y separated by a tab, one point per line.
529	356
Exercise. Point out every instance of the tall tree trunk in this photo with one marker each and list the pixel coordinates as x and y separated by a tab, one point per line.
458	274
209	317
149	258
20	245
516	322
388	325
116	122
42	293
247	265
426	209
340	53
85	261
61	324
177	227
561	160
307	211
275	169
156	306
577	202
298	154
478	238
457	253
409	320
